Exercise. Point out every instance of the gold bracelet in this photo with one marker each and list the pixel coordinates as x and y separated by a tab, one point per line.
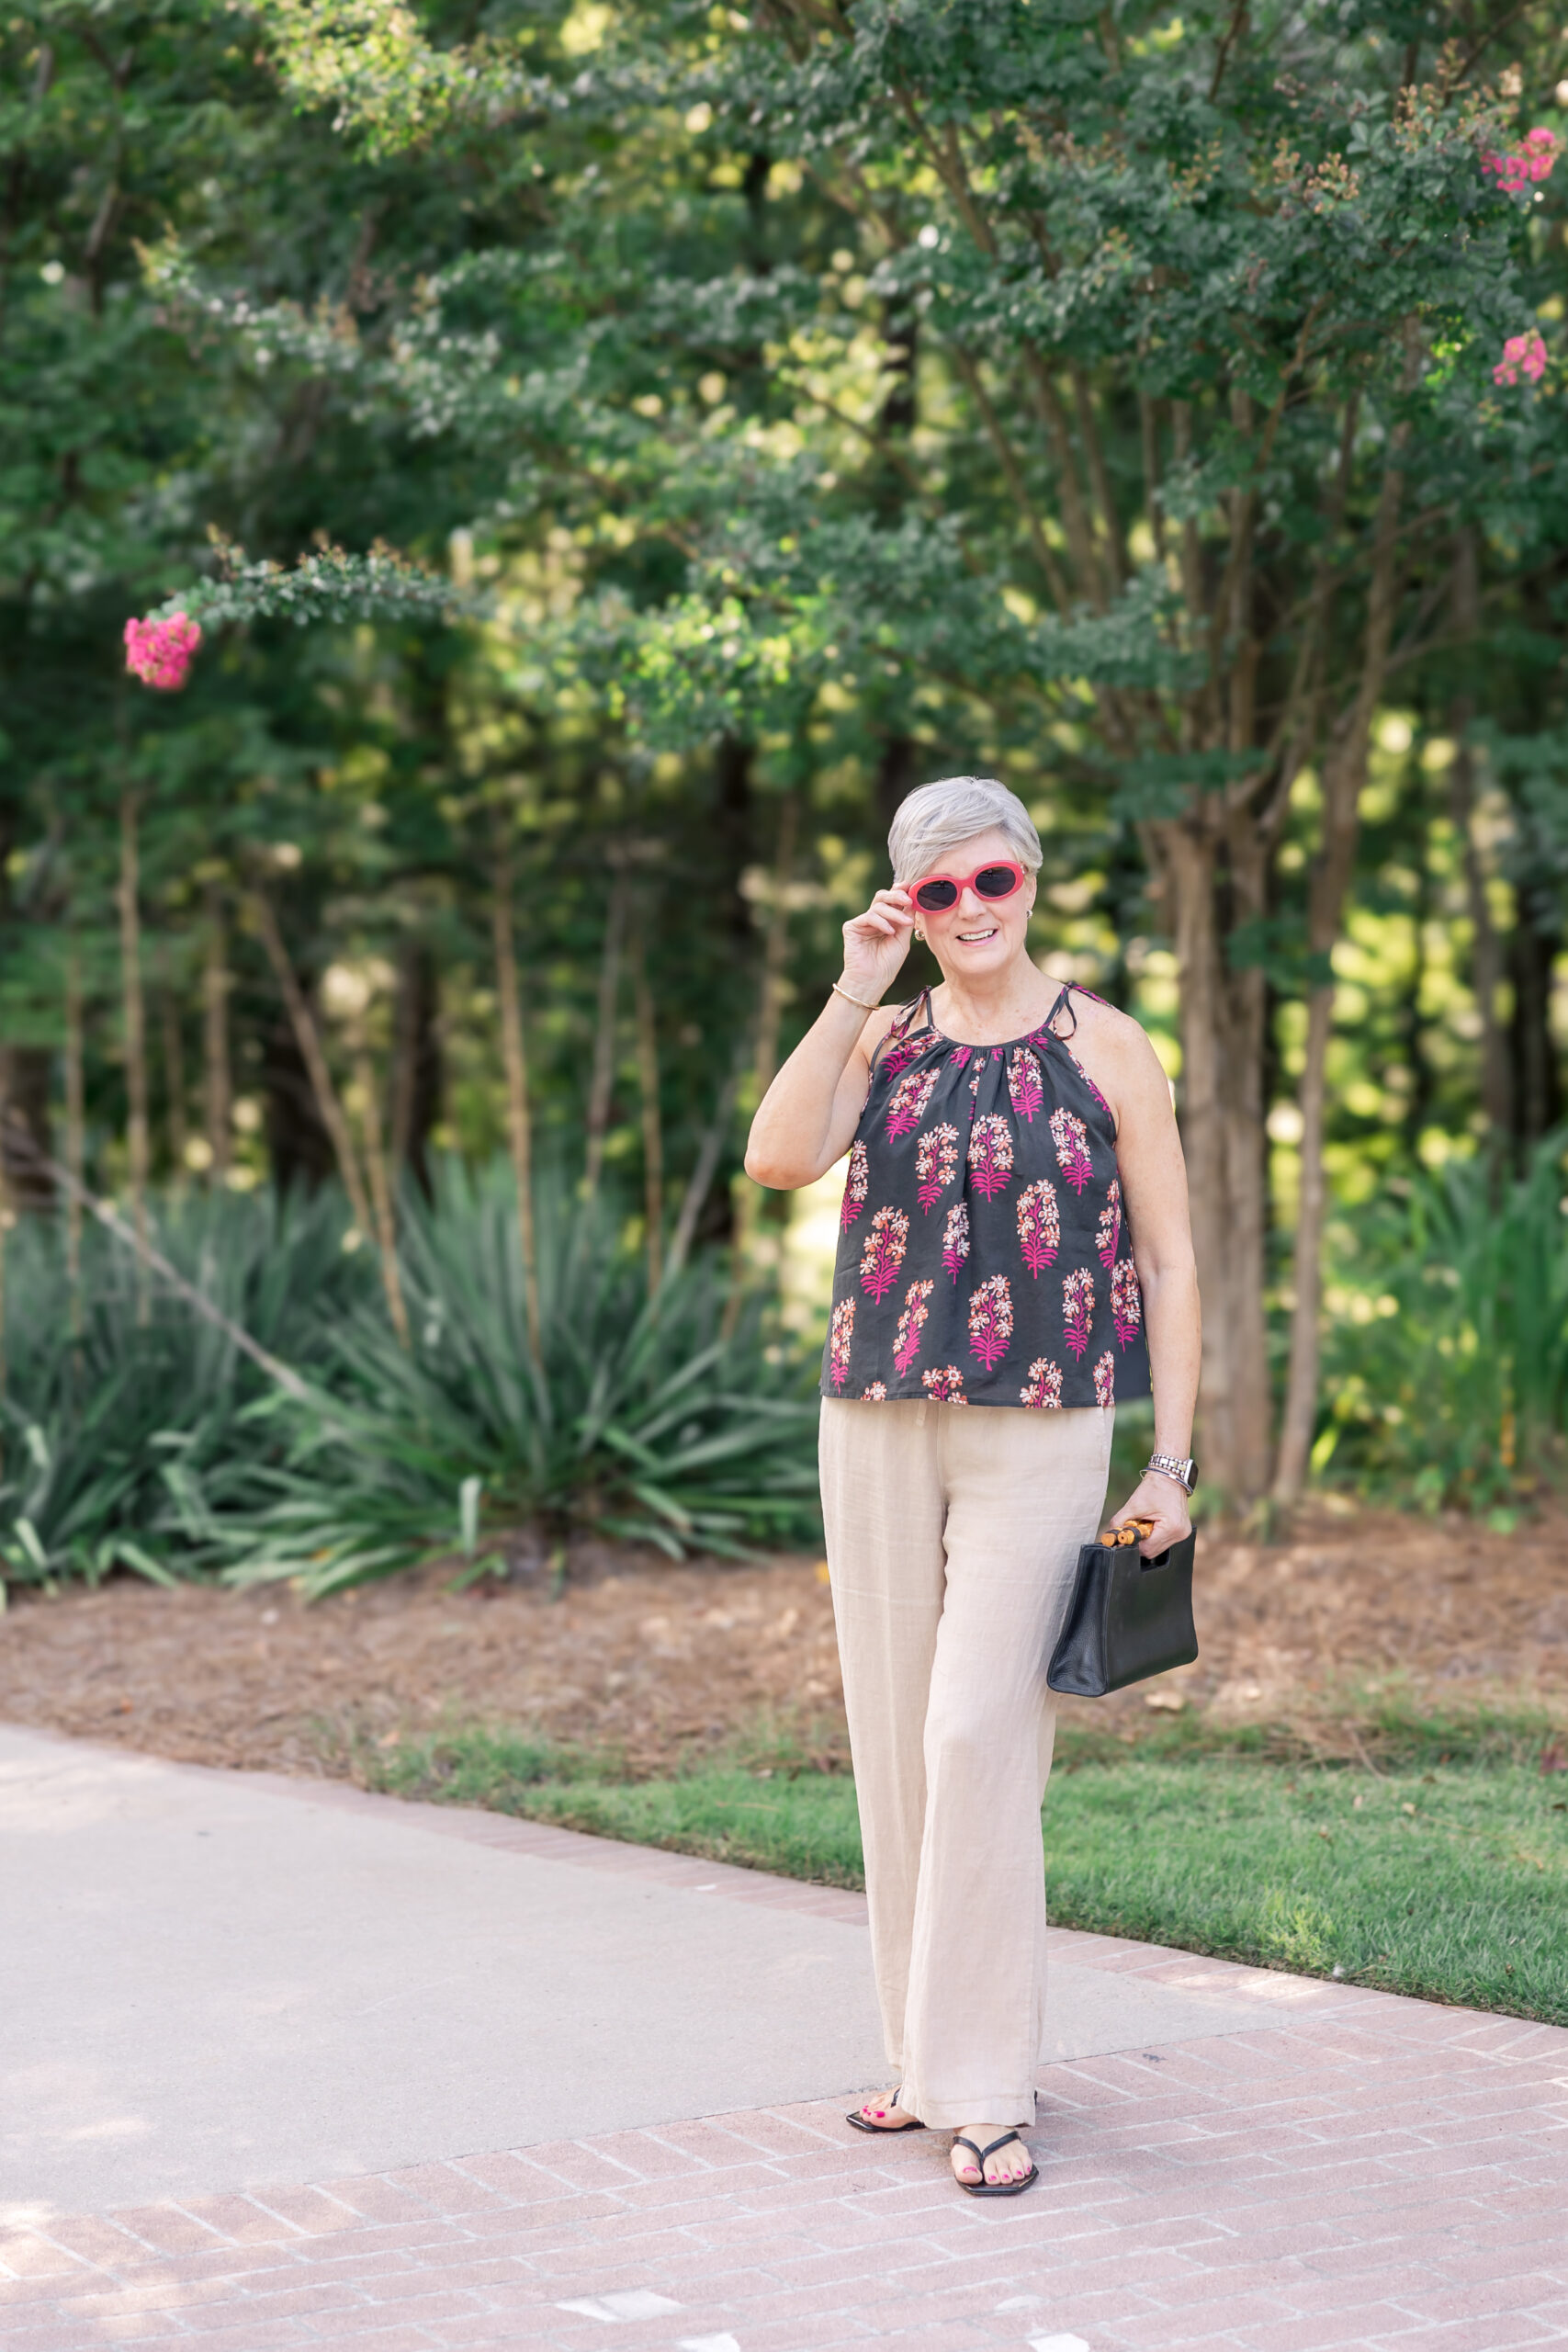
860	1000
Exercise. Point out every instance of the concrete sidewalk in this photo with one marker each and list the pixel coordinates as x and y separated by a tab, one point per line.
258	2034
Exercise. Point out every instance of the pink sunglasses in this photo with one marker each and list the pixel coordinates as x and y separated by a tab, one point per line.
998	879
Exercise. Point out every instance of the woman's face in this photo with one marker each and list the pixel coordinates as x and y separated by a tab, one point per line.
978	937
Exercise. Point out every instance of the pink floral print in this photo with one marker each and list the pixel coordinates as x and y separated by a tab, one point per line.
1077	1307
1039	1225
898	1053
856	1184
936	1163
1023	1083
963	1221
955	1238
1043	1386
884	1252
840	1334
1071	1138
1109	1231
906	1345
990	1154
911	1096
990	1320
1126	1300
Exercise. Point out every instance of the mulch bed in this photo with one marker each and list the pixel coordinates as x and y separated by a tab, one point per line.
656	1662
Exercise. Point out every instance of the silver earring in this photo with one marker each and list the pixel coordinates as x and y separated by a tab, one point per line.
921	936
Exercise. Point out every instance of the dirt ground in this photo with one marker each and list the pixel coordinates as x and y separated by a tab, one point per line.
655	1661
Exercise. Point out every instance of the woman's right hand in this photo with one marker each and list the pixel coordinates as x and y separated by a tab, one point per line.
876	942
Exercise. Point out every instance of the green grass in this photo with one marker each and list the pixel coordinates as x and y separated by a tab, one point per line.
1441	1869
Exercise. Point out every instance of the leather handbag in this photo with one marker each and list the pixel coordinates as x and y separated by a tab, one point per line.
1128	1617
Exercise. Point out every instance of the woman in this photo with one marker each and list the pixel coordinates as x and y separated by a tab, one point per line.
1014	1223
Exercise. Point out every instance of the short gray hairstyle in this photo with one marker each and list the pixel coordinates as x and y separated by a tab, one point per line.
937	817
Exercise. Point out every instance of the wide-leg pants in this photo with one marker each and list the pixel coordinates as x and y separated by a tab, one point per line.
953	1535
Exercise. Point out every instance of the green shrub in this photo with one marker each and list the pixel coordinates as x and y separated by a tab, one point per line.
163	1449
1446	1352
117	1439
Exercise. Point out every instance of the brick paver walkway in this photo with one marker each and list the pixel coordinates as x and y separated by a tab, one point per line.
1357	2171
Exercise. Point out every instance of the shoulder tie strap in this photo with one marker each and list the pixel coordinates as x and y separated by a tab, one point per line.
1064	1005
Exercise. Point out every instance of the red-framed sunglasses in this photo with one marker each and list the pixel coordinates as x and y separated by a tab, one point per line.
998	879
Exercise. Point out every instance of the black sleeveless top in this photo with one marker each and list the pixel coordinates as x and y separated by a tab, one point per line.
983	1256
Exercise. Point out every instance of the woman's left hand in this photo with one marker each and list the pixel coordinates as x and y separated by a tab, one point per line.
1161	1499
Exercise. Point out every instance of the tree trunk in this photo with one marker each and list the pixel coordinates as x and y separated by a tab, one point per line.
298	1147
1537	1090
173	1068
75	1130
652	1117
1344	774
25	1077
135	1018
1216	875
602	1084
307	1037
1485	948
519	1130
217	1076
705	1168
769	1017
380	1187
416	1060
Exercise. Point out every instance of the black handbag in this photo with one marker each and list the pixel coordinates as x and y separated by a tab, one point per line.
1128	1618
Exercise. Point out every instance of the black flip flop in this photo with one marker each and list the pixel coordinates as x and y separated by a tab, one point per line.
885	2131
984	2188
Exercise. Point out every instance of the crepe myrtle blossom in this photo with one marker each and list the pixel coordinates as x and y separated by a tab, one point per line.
159	652
1523	355
1533	160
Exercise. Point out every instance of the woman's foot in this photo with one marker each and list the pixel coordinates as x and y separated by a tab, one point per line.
884	2115
1007	2166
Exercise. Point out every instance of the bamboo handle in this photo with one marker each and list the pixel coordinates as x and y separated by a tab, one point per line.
1130	1530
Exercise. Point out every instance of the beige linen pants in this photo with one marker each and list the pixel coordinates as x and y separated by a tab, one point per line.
953	1535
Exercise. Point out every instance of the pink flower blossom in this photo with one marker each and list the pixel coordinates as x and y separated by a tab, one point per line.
1523	355
944	1384
159	652
1533	160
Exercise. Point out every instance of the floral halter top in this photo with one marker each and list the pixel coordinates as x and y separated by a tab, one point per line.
984	1258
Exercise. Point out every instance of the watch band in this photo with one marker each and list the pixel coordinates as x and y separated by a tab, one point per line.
1182	1467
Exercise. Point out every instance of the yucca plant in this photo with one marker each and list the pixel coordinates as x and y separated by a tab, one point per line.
111	1432
640	1419
1446	1363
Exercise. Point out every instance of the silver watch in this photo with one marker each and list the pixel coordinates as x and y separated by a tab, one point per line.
1182	1467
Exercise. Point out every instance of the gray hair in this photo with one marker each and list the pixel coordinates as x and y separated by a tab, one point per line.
937	817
